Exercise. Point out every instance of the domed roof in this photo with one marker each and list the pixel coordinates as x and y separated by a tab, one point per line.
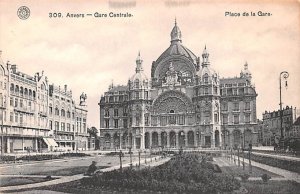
176	48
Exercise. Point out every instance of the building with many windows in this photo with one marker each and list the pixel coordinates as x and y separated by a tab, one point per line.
271	131
36	116
184	104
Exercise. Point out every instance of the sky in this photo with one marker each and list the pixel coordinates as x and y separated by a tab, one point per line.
89	53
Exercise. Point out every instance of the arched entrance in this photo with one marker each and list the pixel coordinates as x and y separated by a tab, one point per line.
147	140
181	137
107	141
154	140
163	139
172	139
217	138
236	138
191	139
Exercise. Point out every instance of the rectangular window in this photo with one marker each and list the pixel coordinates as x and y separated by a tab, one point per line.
106	123
224	106
247	105
16	102
11	101
21	119
205	91
146	95
181	120
63	126
236	119
137	121
216	117
21	103
50	110
125	123
11	118
225	119
234	91
163	120
116	123
247	118
56	125
68	127
137	95
116	112
106	114
147	120
50	125
125	112
154	121
236	106
16	117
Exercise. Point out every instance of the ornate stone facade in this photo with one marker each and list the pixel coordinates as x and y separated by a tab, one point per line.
182	105
38	116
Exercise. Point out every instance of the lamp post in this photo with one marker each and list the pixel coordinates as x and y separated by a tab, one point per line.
284	75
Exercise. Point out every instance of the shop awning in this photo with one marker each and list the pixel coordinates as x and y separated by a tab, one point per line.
50	141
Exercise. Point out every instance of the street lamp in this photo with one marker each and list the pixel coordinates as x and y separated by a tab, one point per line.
284	75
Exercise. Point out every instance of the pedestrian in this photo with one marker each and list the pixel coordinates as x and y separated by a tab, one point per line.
92	169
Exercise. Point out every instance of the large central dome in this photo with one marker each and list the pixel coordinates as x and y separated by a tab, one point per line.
176	48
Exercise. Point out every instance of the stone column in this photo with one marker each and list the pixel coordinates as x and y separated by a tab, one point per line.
112	142
159	139
195	139
150	139
133	143
213	143
177	140
23	144
36	145
8	144
168	139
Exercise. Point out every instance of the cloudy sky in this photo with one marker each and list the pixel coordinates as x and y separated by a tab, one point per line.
88	53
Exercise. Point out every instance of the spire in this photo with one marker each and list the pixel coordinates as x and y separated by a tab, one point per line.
176	33
246	66
139	62
205	57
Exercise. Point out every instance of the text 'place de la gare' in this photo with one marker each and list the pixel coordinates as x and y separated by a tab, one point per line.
184	104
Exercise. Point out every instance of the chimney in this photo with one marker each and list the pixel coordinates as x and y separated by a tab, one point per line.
66	87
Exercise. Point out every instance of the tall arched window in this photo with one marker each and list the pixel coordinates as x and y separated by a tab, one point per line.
56	111
63	113
205	78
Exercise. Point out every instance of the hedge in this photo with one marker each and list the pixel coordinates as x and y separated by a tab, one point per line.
186	173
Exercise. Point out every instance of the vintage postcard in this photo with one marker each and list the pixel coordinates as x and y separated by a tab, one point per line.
127	96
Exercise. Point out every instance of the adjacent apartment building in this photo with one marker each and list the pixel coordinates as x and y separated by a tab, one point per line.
185	104
271	125
38	116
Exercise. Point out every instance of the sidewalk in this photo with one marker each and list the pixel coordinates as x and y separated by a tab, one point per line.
66	179
291	158
293	176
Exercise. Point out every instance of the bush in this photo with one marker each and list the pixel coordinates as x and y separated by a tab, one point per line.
186	173
244	177
265	177
7	158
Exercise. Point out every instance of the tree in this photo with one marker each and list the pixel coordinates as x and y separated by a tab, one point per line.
93	131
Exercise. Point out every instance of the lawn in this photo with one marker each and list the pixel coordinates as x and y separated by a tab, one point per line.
12	181
256	172
272	187
68	171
